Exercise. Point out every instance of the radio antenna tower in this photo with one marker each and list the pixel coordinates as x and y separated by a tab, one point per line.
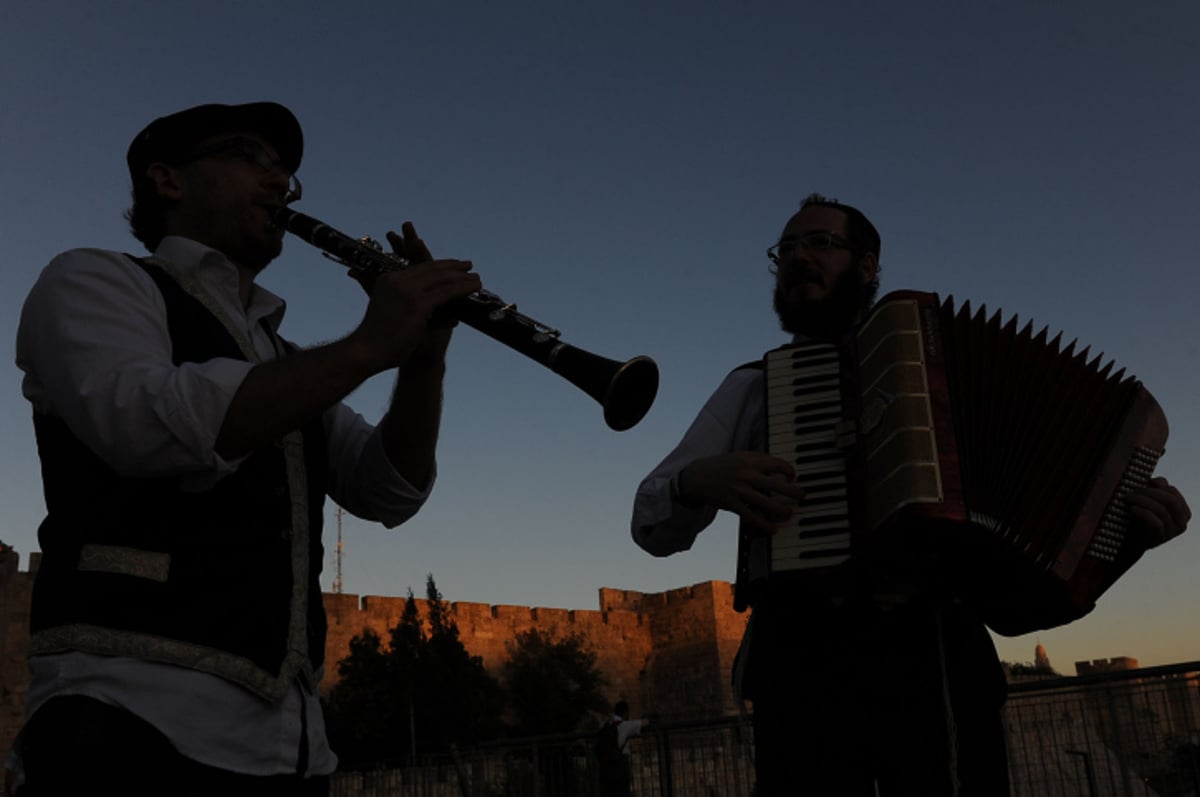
337	577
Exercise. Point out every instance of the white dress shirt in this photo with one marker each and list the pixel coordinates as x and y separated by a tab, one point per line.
626	730
94	346
733	419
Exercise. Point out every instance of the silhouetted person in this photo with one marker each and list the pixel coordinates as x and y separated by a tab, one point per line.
613	756
860	680
178	632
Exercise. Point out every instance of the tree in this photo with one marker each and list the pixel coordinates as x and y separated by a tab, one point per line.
422	694
1018	669
362	711
456	700
553	684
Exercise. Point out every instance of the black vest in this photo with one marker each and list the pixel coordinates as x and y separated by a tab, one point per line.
224	581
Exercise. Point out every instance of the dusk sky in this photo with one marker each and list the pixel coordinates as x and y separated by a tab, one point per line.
617	170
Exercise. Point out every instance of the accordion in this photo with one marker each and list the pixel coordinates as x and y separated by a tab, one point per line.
996	452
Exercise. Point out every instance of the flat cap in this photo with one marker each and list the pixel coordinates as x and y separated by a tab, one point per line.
172	138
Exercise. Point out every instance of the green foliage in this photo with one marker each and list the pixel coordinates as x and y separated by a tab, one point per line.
1026	668
365	707
456	698
553	684
422	694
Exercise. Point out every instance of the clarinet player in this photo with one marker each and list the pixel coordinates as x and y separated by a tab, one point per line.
855	686
187	450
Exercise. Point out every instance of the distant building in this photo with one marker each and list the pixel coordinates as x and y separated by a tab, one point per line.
1041	661
1117	664
1039	670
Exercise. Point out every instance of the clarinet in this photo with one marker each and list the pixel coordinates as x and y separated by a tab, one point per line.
624	389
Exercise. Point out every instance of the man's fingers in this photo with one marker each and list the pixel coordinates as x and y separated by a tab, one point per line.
408	245
1148	516
1161	509
1172	500
418	252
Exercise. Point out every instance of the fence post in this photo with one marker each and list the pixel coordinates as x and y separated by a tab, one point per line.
537	772
665	780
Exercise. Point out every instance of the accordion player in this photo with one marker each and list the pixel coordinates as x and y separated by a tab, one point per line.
995	449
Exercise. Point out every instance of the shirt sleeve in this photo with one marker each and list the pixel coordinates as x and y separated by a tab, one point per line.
627	729
96	352
363	480
663	526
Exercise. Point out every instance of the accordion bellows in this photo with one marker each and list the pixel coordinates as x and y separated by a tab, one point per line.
994	447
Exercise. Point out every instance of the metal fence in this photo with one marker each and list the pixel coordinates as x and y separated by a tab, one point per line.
701	758
1124	734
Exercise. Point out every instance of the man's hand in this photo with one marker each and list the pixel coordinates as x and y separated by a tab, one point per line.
1159	511
402	323
758	488
408	250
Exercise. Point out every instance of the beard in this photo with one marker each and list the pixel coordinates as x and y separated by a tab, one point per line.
827	319
255	244
243	234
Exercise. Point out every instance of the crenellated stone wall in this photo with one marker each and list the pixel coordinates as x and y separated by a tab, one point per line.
16	587
666	653
1097	666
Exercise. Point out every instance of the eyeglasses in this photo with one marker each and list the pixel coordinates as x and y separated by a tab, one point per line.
816	241
250	151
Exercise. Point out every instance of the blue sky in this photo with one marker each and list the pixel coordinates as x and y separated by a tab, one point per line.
616	170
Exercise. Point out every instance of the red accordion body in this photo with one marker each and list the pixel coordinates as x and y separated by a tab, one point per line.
992	448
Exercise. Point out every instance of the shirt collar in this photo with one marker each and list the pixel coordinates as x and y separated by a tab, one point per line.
219	275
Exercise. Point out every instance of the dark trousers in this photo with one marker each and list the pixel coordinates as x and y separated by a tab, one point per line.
616	777
846	698
77	745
